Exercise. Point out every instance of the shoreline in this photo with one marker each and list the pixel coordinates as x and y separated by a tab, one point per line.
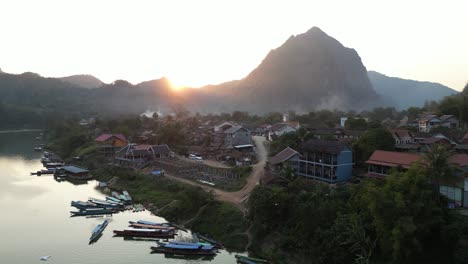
21	130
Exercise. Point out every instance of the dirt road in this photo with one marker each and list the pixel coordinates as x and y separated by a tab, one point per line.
237	198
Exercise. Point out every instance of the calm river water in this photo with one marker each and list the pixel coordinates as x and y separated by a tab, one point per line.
35	217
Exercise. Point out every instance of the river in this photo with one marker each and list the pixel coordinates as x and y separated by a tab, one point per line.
35	217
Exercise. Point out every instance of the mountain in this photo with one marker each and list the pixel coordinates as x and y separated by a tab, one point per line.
403	93
83	80
309	71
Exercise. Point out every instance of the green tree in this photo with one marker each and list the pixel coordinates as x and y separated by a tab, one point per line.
372	140
438	167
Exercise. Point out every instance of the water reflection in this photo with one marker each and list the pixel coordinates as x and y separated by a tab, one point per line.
36	217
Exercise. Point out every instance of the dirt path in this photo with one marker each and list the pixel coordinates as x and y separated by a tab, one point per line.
237	198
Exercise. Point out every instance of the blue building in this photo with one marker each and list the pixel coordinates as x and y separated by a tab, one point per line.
324	160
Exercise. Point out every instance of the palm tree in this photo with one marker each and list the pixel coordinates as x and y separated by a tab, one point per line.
438	167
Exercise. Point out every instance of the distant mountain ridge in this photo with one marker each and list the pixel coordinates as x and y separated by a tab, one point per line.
403	93
83	80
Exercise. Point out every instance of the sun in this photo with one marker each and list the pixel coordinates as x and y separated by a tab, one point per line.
175	85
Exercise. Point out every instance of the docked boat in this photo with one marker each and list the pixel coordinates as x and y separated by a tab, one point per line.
103	203
185	249
112	199
144	222
94	211
141	232
84	205
136	225
127	195
53	164
209	240
248	260
98	231
37	148
116	195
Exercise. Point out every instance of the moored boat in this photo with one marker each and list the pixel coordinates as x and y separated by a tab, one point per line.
94	211
84	205
186	249
209	240
112	199
136	225
141	232
103	203
144	222
98	231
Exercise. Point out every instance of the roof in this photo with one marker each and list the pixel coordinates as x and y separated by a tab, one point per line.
74	169
280	126
459	159
283	156
234	129
105	137
407	146
446	117
161	149
329	146
428	118
434	140
393	159
402	133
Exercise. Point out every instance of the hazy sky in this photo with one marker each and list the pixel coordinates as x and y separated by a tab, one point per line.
199	42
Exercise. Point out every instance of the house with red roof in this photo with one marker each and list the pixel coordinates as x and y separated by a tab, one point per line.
115	140
456	189
382	162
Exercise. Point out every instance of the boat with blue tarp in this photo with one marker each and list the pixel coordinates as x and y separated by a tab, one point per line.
97	231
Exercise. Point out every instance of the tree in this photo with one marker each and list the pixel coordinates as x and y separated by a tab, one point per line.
356	123
372	140
438	168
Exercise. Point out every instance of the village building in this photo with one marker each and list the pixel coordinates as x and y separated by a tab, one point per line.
328	161
75	172
280	129
381	163
427	122
223	126
134	156
288	157
238	137
108	144
449	121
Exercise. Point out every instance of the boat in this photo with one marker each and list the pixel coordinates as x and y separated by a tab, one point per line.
141	232
209	240
187	249
84	205
97	231
94	211
37	148
116	195
144	222
53	164
248	260
112	199
103	203
129	198
190	243
136	225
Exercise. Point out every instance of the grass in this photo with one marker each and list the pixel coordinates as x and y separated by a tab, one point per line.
223	222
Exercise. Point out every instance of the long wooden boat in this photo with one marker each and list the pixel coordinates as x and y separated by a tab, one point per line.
209	240
140	232
144	222
250	260
103	203
98	231
94	211
116	195
129	198
112	199
193	249
84	205
136	225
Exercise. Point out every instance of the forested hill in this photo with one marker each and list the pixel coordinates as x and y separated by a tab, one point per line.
403	93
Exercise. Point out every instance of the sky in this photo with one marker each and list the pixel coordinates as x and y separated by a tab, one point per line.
195	43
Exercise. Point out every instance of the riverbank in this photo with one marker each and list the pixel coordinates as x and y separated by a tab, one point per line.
20	130
182	204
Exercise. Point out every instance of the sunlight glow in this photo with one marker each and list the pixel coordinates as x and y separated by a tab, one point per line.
175	86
